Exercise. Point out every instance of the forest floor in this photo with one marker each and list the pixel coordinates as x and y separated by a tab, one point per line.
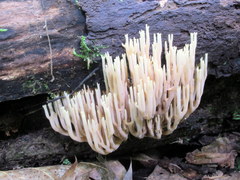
216	159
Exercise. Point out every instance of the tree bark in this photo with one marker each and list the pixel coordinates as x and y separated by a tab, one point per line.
214	20
31	27
46	147
25	53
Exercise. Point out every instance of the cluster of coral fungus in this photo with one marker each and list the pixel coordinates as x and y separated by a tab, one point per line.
144	97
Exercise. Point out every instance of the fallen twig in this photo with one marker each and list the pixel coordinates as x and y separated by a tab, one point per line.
50	48
80	84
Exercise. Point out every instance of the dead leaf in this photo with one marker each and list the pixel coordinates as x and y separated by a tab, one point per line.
232	176
220	145
76	171
29	173
190	174
116	168
129	174
215	176
161	174
173	168
220	176
146	160
223	159
70	173
220	152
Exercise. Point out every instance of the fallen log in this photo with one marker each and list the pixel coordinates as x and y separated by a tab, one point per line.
46	147
41	35
36	45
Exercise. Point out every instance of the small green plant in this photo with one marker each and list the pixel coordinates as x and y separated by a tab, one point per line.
236	115
237	164
66	162
52	95
3	30
34	85
88	53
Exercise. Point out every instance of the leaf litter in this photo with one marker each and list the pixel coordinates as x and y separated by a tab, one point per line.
215	161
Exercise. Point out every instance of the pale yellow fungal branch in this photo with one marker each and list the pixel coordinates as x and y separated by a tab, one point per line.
177	84
144	96
89	117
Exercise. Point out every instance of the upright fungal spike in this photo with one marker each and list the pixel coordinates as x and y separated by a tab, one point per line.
149	101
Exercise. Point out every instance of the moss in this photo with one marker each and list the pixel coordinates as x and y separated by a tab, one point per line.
34	85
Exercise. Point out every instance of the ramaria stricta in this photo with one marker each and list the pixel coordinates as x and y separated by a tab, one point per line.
144	96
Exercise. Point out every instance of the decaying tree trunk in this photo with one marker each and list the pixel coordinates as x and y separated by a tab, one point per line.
25	59
26	56
38	33
46	146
